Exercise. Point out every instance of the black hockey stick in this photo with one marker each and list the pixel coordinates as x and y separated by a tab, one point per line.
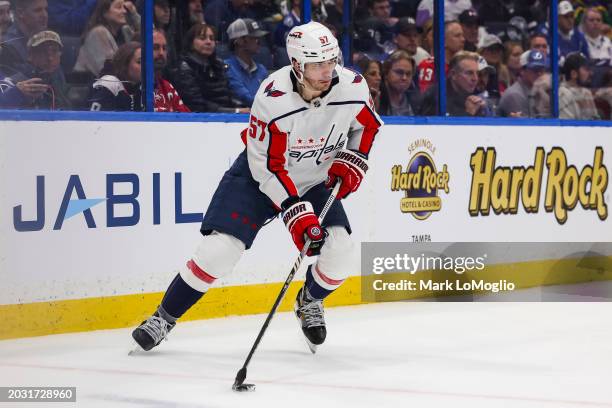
242	373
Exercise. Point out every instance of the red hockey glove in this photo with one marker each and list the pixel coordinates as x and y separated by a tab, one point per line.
302	223
349	167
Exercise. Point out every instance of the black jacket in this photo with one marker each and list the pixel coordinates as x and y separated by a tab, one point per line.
203	84
455	102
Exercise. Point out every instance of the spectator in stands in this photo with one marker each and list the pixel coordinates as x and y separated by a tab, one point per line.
5	17
512	59
161	20
221	13
454	42
539	97
515	101
381	11
539	42
120	89
113	23
334	15
44	53
460	88
427	38
166	98
600	46
470	24
161	14
603	97
20	94
69	17
244	74
407	38
492	49
372	72
452	10
575	98
201	77
485	71
196	11
398	97
290	20
570	39
30	18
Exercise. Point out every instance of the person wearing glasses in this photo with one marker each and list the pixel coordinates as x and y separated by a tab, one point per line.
398	93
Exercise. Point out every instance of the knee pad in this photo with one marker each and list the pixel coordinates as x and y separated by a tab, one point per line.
215	257
337	259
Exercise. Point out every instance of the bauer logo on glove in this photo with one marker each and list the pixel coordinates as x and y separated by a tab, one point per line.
350	168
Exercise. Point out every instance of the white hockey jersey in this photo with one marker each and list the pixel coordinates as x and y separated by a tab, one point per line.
291	143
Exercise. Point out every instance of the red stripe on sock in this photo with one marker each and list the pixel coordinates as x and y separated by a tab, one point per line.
326	279
199	273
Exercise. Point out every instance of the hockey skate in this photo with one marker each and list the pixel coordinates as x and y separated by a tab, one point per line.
310	315
151	332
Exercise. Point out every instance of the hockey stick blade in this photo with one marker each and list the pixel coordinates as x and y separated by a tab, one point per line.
239	385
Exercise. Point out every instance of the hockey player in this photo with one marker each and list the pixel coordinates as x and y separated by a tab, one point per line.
312	124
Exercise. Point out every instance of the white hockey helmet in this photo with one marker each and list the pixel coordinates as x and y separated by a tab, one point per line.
312	42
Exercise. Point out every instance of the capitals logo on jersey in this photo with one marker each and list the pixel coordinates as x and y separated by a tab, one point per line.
270	91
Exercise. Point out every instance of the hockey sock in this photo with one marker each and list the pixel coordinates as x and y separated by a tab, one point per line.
315	290
178	299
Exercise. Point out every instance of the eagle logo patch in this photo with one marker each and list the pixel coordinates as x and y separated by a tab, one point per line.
270	91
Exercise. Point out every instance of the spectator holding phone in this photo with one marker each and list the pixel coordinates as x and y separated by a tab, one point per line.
113	23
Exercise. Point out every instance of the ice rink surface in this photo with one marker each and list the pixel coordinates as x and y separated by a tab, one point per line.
407	354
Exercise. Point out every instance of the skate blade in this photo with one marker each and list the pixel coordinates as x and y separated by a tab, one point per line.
135	350
312	347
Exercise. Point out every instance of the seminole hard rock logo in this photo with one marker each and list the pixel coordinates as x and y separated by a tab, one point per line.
421	182
503	189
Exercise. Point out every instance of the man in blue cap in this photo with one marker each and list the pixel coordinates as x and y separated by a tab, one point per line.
515	101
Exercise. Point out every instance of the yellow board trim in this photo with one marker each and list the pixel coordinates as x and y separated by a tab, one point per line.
111	312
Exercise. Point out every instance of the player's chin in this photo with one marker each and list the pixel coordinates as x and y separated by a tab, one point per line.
324	85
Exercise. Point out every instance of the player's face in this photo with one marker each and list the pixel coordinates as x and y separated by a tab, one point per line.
318	75
134	67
